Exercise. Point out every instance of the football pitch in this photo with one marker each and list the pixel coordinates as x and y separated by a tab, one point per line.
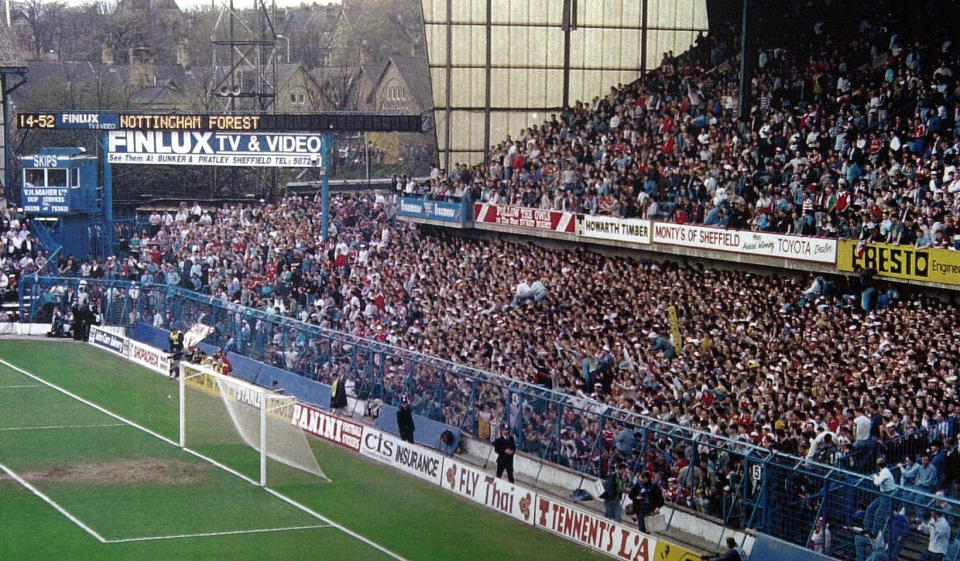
89	469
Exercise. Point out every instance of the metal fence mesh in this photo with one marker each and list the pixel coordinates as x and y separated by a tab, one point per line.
835	508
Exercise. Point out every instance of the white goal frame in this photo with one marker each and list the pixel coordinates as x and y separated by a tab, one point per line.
266	397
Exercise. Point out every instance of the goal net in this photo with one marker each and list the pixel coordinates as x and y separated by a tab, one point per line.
224	414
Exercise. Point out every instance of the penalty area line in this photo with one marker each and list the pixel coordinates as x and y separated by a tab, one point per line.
52	503
214	534
288	500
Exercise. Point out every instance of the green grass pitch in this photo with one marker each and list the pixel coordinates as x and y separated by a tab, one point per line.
139	493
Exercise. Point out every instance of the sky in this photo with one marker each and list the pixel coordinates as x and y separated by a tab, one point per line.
193	4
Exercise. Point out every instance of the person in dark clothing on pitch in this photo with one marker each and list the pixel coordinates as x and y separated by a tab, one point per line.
338	394
647	498
176	343
78	319
405	420
176	349
505	447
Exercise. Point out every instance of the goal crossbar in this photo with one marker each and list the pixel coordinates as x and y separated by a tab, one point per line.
262	418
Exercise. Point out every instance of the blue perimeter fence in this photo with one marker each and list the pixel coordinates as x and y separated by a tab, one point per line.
774	494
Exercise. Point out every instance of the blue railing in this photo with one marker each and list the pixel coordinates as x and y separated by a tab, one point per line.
46	236
896	449
776	494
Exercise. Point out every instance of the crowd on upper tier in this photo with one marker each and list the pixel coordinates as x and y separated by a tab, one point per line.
853	133
792	364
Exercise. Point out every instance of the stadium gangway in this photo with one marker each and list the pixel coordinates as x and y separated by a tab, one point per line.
770	508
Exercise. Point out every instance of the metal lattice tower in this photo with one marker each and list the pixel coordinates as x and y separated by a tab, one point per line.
244	44
245	54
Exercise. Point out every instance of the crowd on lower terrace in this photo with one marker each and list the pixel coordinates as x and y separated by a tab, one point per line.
853	134
20	253
776	361
790	364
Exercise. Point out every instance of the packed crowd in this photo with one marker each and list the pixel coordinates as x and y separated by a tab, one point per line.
20	253
762	358
790	364
853	134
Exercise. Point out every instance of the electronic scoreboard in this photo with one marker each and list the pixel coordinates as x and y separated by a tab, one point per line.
233	122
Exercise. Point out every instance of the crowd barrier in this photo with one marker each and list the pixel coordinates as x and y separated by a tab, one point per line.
381	444
775	494
428	432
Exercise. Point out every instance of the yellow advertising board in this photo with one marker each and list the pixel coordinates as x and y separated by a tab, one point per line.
675	330
669	552
201	380
901	261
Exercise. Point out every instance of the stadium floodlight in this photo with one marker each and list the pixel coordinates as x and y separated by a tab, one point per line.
219	410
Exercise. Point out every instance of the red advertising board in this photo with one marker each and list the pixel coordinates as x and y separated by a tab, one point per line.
594	531
328	427
535	218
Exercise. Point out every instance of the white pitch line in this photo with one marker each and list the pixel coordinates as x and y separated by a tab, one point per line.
22	386
87	402
284	498
212	534
53	503
343	529
64	427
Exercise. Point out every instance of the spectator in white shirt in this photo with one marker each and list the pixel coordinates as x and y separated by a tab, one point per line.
521	293
939	530
823	448
862	424
877	513
539	291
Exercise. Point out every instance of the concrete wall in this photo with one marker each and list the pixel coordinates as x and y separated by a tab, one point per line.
561	481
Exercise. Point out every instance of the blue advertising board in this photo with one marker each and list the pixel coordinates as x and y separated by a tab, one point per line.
440	211
210	148
103	338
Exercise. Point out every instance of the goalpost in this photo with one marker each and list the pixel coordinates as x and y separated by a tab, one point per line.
219	410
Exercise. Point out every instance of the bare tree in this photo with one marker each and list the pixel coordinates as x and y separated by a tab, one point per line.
79	32
198	88
311	30
108	90
338	88
196	33
124	30
40	20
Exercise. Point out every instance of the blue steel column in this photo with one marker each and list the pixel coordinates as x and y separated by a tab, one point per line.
7	172
326	144
107	194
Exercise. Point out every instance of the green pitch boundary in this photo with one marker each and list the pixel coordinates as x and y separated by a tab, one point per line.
387	505
327	522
